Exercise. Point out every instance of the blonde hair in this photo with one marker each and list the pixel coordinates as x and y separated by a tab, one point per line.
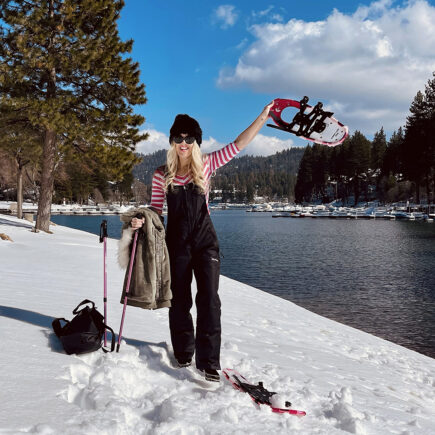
195	169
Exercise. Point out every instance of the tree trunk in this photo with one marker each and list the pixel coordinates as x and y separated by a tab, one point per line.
48	152
47	181
20	191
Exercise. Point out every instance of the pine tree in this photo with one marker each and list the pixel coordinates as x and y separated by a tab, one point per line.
250	192
379	146
391	164
414	147
319	170
21	143
304	181
430	143
64	70
358	162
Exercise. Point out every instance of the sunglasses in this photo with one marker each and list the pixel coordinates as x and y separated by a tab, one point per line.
188	139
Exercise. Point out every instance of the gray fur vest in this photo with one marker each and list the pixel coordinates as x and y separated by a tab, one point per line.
150	285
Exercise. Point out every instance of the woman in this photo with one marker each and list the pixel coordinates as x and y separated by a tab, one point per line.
191	239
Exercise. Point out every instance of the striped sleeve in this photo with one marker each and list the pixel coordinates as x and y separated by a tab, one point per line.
223	156
158	191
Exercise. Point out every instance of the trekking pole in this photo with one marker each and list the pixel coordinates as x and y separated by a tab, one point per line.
127	287
103	238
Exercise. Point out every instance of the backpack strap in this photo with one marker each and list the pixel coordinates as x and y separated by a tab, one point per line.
86	301
57	328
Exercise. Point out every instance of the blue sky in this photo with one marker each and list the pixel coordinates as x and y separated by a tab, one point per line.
221	62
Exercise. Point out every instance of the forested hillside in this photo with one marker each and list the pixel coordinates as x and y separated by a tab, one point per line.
242	178
145	169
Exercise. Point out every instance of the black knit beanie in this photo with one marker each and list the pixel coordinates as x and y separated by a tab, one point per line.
184	124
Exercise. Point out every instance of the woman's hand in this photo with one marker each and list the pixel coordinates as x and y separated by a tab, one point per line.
137	223
267	108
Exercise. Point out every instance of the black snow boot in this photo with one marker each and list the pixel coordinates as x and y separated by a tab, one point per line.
211	375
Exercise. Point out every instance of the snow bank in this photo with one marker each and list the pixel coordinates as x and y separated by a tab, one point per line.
346	380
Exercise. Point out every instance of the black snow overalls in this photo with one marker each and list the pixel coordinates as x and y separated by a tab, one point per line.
193	246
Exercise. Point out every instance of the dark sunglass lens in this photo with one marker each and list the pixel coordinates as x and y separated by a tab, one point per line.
189	140
178	139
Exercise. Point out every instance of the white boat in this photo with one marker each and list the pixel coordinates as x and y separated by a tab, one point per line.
398	214
281	215
321	214
418	215
341	213
360	213
303	214
261	208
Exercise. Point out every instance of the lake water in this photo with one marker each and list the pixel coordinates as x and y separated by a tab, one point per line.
378	276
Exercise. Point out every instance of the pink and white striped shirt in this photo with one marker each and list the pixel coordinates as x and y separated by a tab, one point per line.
212	162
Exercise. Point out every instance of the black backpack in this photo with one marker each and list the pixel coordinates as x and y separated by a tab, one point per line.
84	333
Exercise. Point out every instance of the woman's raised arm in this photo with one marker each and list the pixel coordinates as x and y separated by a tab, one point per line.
246	136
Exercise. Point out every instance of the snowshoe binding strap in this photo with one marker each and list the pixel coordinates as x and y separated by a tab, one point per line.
303	124
258	393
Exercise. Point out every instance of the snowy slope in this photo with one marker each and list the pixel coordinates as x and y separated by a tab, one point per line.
347	381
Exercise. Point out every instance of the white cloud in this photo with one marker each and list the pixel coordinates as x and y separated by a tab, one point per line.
277	17
260	146
267	145
369	64
211	144
263	12
267	12
226	15
155	142
242	44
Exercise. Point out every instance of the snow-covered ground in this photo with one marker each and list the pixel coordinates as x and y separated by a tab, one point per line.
28	207
346	380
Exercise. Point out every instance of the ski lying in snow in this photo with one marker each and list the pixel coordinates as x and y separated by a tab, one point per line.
310	123
258	393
